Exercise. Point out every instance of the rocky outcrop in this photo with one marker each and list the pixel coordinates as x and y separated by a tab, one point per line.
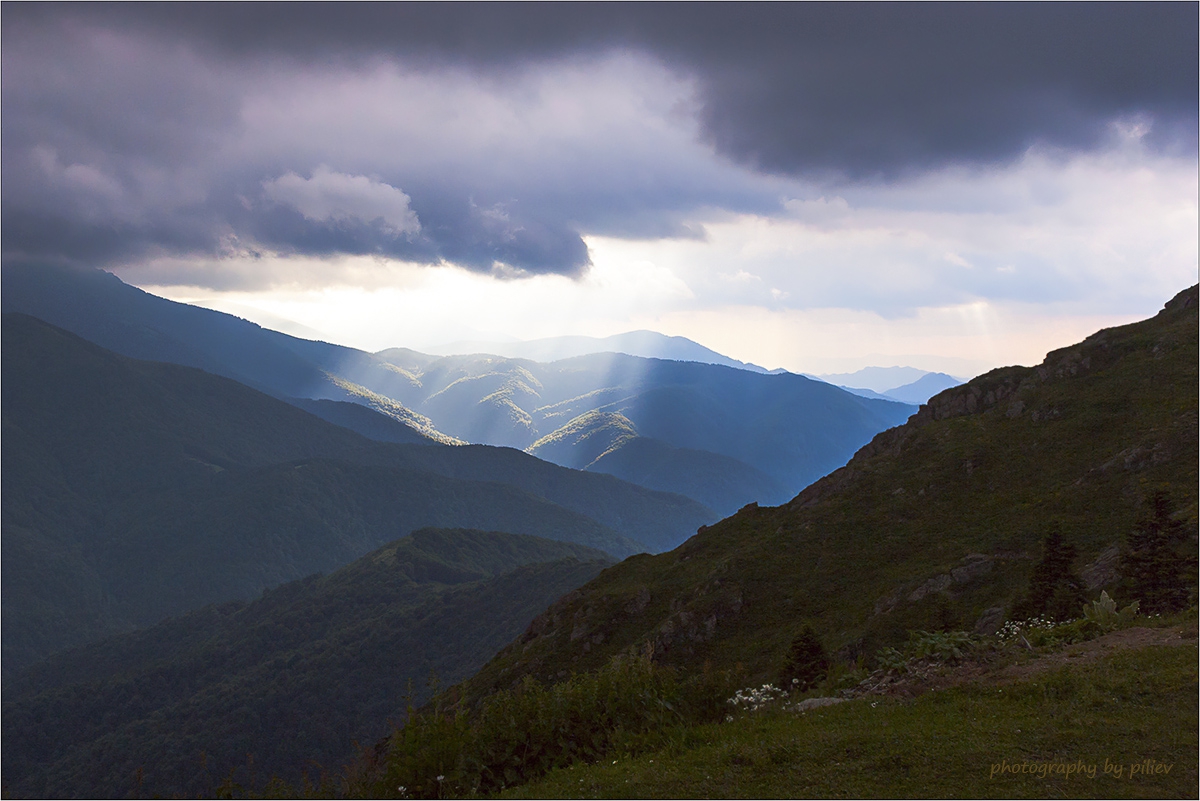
814	703
696	620
972	567
998	387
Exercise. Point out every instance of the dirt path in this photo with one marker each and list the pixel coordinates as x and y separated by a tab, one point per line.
1084	652
1011	665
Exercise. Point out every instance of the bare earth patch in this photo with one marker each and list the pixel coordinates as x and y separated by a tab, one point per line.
1011	664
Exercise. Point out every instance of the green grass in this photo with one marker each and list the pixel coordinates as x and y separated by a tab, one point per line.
1122	710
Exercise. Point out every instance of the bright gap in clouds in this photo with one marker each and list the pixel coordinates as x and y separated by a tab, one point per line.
414	306
958	271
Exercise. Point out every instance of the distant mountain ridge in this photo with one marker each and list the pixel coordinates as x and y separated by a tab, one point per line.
723	436
917	392
923	388
134	490
876	379
101	308
648	344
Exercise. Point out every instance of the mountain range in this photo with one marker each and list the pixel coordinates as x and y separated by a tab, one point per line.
723	436
720	435
918	392
649	344
126	480
134	490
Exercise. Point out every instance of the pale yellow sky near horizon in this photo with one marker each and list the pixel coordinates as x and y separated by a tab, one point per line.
961	340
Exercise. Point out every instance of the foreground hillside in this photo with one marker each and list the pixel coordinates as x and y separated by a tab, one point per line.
135	490
626	687
1120	725
294	678
933	525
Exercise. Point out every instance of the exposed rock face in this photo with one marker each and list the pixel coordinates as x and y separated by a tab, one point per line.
1103	570
990	621
696	621
976	565
639	602
935	584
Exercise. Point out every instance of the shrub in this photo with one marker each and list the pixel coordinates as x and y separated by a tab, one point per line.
940	646
1104	615
519	735
933	646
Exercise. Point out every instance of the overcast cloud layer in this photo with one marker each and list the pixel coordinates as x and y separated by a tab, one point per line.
786	156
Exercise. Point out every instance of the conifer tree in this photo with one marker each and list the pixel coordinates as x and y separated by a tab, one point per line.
1151	568
807	660
1055	590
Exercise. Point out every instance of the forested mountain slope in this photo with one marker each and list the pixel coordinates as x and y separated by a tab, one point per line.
102	309
721	435
293	678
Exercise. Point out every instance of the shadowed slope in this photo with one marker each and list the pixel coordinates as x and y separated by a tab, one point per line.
133	490
293	678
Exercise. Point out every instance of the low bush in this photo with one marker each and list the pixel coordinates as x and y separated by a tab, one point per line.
948	647
519	735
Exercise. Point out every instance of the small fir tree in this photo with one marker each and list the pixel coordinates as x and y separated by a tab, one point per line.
1054	588
1152	569
807	660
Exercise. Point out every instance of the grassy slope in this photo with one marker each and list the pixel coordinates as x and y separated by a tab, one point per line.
293	677
982	470
1128	707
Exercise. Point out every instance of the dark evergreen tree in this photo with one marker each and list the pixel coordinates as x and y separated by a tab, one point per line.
807	661
1152	569
1055	590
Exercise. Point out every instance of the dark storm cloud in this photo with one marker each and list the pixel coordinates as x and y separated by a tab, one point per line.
118	118
794	87
454	231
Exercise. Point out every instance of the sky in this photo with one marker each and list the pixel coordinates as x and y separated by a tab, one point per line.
814	187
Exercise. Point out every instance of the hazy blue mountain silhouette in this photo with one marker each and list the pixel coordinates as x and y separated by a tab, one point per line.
876	379
134	490
722	435
649	344
923	388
